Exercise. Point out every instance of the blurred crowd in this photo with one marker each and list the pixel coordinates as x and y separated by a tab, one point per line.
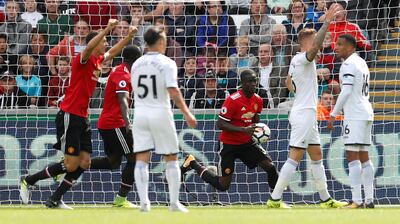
210	41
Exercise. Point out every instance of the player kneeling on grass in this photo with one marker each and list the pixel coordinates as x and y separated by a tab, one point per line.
237	120
304	134
358	118
72	123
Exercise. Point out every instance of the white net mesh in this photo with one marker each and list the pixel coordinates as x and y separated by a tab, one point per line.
204	38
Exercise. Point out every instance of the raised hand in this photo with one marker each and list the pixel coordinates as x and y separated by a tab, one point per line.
331	13
112	23
132	31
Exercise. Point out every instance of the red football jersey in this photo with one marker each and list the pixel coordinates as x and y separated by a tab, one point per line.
118	81
83	82
239	111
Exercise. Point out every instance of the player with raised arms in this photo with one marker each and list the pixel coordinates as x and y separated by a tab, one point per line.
154	79
72	123
304	135
357	122
237	119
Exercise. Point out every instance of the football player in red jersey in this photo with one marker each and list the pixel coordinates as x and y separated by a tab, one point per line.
237	121
72	123
115	128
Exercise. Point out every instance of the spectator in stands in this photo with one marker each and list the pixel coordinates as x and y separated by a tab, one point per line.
8	62
326	82
96	13
31	15
55	25
341	26
8	92
316	13
325	106
38	49
210	97
328	56
270	77
59	84
28	83
258	27
70	46
284	49
17	30
206	59
227	79
242	60
181	26
98	94
191	81
216	27
137	11
174	49
297	19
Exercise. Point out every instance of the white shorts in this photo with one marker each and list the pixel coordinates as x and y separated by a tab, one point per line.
155	129
357	133
304	129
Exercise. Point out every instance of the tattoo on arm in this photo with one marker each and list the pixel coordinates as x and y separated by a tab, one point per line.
319	39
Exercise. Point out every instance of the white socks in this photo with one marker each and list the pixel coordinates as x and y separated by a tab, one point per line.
355	181
318	172
367	177
173	174
142	181
285	175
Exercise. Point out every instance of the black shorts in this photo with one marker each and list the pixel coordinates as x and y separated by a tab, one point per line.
250	154
73	134
117	141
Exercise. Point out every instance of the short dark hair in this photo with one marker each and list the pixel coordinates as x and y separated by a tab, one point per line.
246	74
342	3
152	35
90	36
349	39
131	53
4	36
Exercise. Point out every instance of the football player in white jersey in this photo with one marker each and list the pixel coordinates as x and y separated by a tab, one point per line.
358	118
304	134
154	80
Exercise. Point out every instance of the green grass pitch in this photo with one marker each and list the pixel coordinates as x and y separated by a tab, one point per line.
201	215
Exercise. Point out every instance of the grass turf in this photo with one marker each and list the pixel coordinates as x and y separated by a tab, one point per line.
203	215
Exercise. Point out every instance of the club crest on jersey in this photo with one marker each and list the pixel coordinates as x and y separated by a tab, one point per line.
255	107
122	84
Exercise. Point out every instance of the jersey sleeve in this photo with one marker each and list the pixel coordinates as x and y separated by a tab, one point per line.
121	83
347	74
171	75
227	110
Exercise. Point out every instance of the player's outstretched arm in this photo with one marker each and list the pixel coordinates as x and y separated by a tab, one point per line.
124	105
96	40
176	96
319	38
114	51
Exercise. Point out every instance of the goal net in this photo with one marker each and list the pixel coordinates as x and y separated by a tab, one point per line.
211	43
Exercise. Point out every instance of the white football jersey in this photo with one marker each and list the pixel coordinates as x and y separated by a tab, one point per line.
151	75
354	71
304	80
